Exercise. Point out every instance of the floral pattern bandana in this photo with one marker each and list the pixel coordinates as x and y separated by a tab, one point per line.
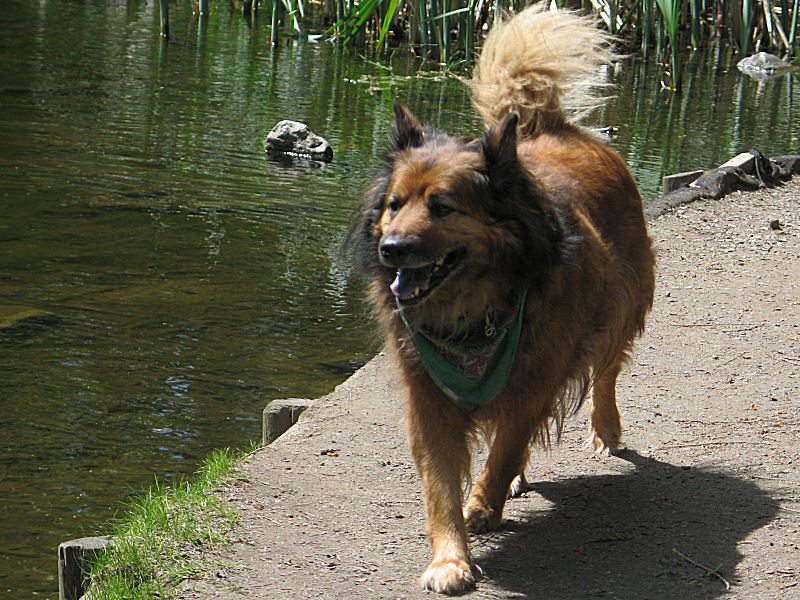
472	367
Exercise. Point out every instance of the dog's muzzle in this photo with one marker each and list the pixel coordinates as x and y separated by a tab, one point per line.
417	275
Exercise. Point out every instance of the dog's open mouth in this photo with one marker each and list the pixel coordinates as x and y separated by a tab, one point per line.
412	285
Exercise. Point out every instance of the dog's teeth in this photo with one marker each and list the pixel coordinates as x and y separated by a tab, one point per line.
440	262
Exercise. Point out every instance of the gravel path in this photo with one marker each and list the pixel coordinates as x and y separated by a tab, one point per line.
706	495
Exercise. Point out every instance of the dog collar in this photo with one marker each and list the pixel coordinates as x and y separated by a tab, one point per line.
472	367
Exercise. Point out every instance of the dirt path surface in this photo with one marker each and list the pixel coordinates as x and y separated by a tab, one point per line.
709	482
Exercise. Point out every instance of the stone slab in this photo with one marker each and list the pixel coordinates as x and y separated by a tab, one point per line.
673	182
745	161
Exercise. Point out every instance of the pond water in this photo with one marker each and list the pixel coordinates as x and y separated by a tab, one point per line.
160	280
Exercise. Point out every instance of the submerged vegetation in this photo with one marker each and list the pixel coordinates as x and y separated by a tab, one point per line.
156	546
449	31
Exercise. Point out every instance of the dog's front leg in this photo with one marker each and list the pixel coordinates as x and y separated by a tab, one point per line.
437	432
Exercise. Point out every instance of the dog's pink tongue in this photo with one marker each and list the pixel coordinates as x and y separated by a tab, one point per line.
408	280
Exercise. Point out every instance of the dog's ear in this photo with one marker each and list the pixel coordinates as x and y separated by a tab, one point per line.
406	130
500	144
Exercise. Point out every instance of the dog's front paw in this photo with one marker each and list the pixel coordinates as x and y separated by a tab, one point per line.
448	577
480	519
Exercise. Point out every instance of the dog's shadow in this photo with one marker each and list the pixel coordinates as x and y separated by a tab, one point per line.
631	536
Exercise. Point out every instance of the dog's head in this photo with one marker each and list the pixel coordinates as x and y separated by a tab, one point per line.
453	220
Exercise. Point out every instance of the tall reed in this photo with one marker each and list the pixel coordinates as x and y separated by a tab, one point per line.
671	13
449	30
164	13
280	9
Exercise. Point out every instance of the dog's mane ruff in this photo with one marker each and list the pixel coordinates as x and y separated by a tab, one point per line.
543	233
535	221
548	66
360	238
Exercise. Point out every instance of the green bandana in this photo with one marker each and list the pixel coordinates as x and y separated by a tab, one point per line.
472	370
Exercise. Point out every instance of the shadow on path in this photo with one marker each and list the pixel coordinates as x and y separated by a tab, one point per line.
615	536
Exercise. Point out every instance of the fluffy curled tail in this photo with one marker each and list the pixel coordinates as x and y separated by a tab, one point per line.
547	66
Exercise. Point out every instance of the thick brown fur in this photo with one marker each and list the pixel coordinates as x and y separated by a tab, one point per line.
536	204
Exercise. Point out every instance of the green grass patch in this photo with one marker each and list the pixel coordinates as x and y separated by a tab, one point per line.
162	539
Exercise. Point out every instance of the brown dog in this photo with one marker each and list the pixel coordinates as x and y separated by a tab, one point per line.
510	272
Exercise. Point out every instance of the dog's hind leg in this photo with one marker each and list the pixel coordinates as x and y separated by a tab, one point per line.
519	485
507	458
606	430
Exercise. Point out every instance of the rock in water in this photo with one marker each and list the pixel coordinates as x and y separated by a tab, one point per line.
763	66
296	139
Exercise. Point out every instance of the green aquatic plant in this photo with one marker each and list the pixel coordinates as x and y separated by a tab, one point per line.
449	31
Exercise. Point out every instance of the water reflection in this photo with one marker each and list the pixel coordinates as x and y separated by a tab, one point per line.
162	280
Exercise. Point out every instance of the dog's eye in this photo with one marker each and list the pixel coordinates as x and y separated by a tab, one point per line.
394	204
440	209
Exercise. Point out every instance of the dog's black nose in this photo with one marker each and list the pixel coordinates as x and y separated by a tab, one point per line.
394	250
